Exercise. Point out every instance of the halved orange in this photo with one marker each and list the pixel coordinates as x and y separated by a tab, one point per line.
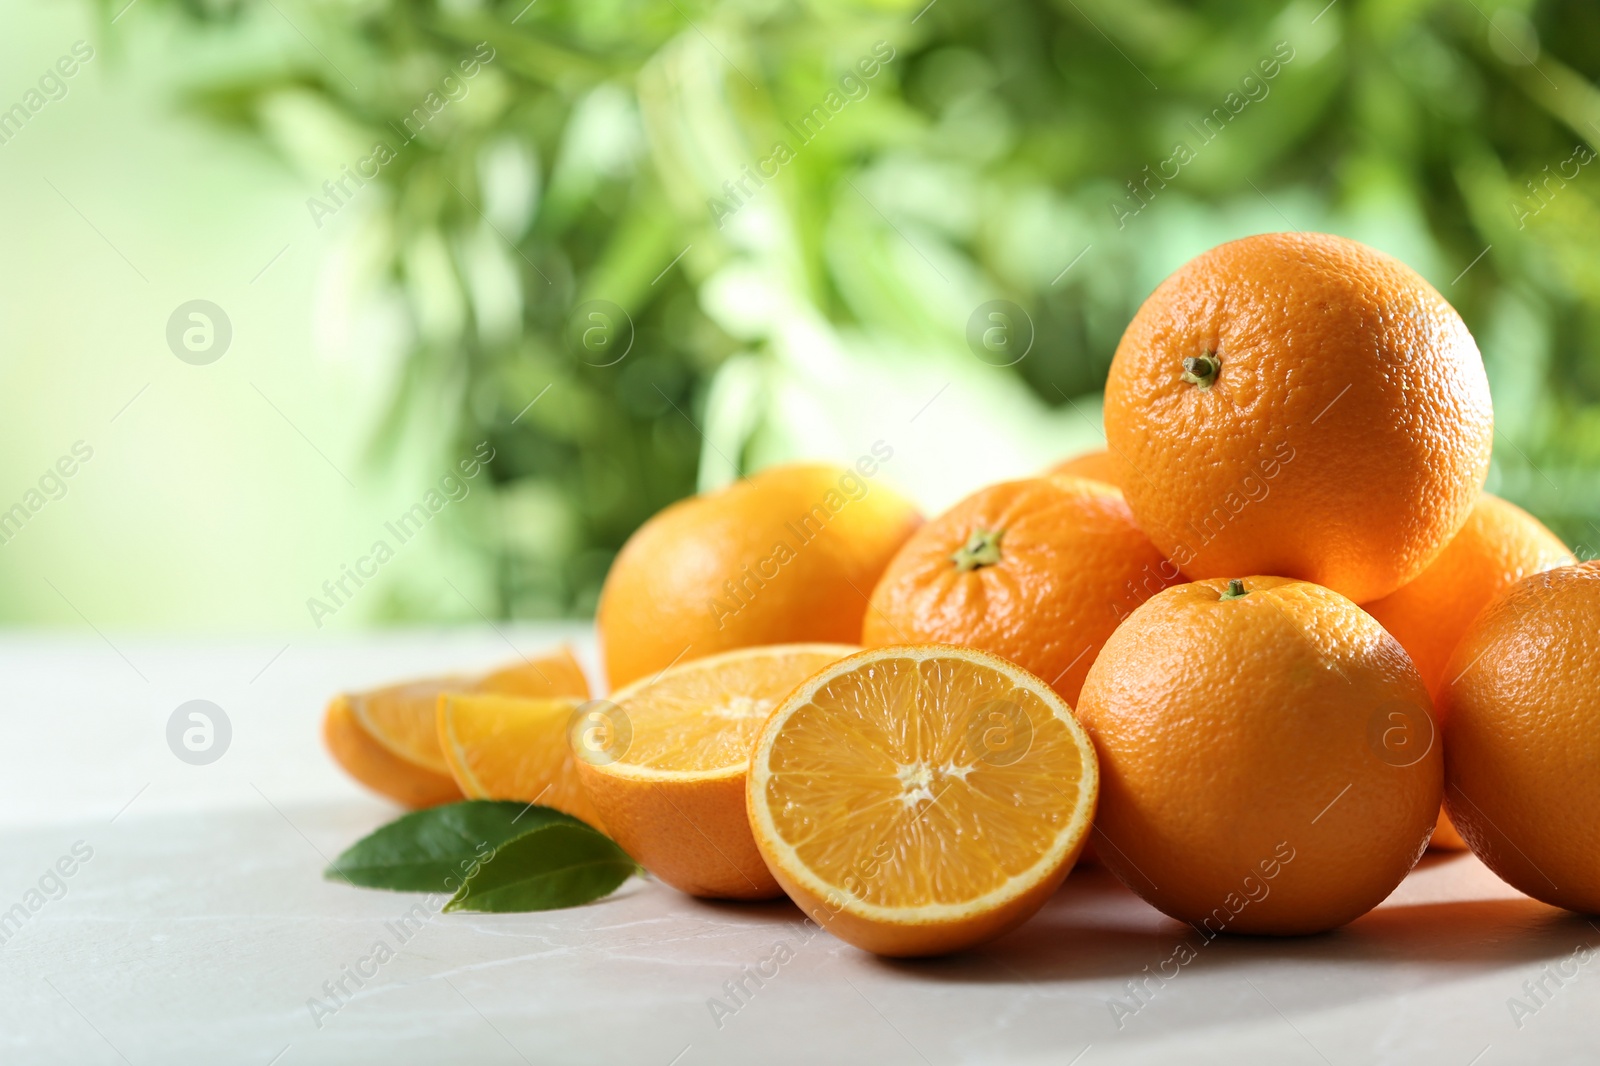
404	717
512	748
664	761
919	799
377	767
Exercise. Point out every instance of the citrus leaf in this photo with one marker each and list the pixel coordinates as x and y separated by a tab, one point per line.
560	865
435	850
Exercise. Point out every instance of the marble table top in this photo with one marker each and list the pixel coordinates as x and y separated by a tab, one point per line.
174	912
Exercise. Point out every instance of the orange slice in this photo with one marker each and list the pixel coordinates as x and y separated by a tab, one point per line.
665	760
404	717
920	799
511	748
377	767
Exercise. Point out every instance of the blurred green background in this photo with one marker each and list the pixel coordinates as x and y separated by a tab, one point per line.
632	250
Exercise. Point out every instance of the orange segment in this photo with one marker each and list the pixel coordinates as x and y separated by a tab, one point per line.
665	761
511	748
377	767
404	717
918	799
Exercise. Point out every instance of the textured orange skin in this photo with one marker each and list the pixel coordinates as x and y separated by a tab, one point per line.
1095	465
1347	433
660	601
1072	566
1445	837
378	768
698	841
1227	739
1521	727
1500	545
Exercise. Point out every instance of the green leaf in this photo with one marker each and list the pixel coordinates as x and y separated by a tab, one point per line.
435	850
558	866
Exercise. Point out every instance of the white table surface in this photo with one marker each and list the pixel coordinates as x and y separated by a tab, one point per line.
201	926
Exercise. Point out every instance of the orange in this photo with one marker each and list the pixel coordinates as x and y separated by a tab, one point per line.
513	748
1499	546
665	759
1299	404
1521	725
1268	756
377	767
1096	466
921	799
1445	837
785	556
403	718
1038	572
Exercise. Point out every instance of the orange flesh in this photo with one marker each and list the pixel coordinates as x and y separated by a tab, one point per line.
883	763
403	717
705	720
511	748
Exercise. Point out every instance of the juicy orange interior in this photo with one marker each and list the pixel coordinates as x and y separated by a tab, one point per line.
510	748
401	717
556	673
501	741
909	782
706	717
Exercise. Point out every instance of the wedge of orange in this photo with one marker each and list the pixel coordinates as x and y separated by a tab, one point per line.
919	799
404	717
664	761
379	768
513	748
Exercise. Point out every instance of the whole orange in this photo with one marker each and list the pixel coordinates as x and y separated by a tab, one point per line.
1267	756
1038	572
1096	466
1520	716
1303	405
785	556
1499	546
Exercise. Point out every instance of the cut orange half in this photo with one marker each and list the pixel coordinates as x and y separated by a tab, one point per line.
664	761
919	799
512	748
404	717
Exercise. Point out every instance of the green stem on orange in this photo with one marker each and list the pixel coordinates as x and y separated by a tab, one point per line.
981	549
1202	370
1234	590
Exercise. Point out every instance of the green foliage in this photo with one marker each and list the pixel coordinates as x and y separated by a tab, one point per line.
437	849
548	869
1004	138
490	855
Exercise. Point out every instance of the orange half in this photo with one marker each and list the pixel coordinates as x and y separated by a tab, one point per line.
664	761
919	799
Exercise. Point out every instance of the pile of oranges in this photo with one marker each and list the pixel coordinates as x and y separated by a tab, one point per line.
1246	652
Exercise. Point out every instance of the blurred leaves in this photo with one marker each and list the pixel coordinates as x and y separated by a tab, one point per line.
1002	144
